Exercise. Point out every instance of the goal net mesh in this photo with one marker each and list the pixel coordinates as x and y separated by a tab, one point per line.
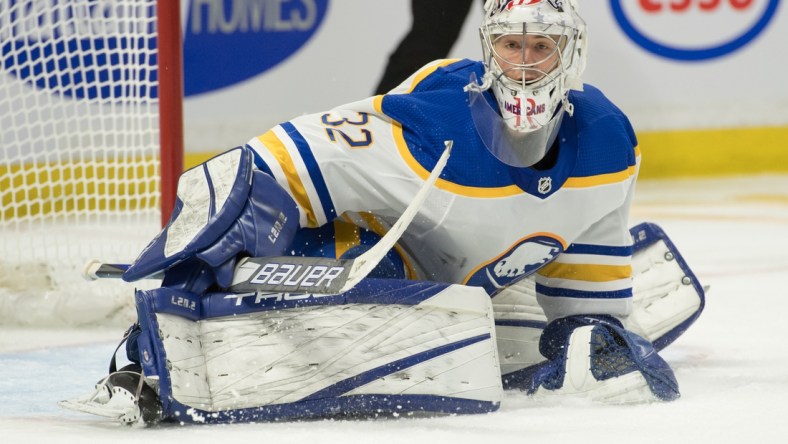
79	155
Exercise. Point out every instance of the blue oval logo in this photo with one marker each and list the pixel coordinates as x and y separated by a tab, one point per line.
44	44
231	41
225	42
653	40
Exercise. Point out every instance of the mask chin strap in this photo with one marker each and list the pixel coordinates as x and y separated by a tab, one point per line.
474	86
567	106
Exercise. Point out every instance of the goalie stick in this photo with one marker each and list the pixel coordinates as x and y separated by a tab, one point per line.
315	275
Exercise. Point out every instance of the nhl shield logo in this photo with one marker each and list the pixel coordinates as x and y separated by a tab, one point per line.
545	185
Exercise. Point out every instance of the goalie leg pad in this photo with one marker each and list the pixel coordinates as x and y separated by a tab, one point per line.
667	296
667	300
385	347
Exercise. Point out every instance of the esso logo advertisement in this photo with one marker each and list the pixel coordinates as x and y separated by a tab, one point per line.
693	30
229	41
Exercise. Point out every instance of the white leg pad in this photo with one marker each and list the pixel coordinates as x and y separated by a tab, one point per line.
666	300
287	356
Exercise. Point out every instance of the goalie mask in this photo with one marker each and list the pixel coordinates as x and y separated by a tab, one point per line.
534	53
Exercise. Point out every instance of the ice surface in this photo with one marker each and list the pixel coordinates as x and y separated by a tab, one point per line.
732	365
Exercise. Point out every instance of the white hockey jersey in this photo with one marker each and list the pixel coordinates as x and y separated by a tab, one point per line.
485	224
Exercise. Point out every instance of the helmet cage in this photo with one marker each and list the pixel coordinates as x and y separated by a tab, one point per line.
521	79
534	53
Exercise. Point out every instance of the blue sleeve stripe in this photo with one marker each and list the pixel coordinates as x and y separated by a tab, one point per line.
603	250
580	294
314	170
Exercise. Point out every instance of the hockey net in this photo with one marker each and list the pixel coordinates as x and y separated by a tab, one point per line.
80	164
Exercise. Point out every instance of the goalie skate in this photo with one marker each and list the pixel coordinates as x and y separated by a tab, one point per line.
121	397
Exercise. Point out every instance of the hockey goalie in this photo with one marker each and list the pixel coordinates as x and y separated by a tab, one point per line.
414	253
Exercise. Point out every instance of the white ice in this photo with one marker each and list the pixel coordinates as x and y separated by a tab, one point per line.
732	365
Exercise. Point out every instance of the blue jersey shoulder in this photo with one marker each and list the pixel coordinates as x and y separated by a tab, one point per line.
605	137
435	110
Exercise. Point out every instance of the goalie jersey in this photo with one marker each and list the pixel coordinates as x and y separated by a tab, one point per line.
486	224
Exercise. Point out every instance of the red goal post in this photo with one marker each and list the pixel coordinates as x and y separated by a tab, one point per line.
170	45
91	148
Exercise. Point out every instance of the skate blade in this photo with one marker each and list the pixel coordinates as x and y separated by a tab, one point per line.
86	404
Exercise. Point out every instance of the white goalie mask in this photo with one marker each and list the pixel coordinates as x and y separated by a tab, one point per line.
534	53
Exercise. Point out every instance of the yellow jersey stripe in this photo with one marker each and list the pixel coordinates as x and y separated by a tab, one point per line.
277	149
346	236
421	75
586	272
603	179
376	227
377	103
402	148
462	190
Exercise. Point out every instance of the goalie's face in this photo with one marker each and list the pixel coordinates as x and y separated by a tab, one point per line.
526	73
533	54
526	58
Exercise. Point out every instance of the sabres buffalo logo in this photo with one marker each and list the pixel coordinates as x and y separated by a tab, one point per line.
521	260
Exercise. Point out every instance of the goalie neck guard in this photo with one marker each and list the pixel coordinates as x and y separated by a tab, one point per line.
534	52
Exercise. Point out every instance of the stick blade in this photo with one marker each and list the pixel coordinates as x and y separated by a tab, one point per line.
94	270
